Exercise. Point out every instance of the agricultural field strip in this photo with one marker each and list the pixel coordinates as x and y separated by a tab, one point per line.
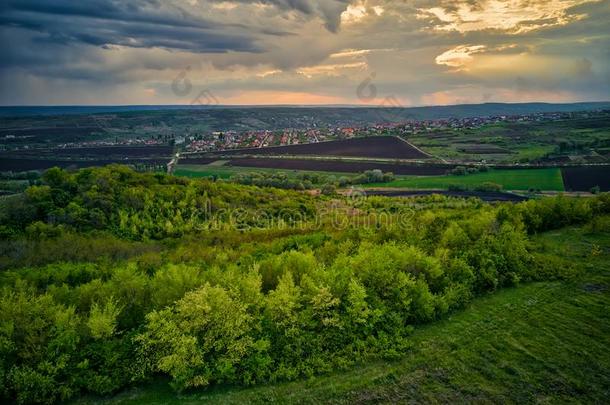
522	140
421	150
407	162
341	166
93	151
510	179
185	158
391	147
583	178
19	165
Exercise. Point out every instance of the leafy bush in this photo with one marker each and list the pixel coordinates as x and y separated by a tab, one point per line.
459	171
457	187
328	189
488	186
204	338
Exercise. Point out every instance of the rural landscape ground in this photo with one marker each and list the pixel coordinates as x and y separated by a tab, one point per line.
304	202
458	255
543	150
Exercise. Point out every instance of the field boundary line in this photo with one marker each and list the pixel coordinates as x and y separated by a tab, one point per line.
420	150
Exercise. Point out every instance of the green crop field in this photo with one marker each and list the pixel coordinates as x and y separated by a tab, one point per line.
196	171
540	342
532	152
515	179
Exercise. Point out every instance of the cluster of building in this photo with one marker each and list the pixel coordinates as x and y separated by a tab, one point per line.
223	140
116	142
231	139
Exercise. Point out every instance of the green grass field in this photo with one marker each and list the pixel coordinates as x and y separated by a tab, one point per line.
541	342
533	152
516	179
193	171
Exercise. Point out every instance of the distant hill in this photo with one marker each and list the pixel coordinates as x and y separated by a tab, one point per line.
495	109
277	117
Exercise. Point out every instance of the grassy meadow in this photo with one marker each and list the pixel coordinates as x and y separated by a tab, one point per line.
513	179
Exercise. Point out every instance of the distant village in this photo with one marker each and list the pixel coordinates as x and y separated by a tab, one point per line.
224	140
206	141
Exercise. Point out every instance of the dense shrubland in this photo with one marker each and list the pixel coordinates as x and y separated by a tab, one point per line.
141	206
308	181
111	277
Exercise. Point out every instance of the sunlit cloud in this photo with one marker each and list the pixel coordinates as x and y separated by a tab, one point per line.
459	56
347	53
515	16
419	51
332	70
378	10
225	5
269	73
353	14
357	12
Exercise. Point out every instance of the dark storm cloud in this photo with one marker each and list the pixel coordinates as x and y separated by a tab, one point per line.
142	23
110	51
329	10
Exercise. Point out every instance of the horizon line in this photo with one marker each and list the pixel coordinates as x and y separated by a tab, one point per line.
301	105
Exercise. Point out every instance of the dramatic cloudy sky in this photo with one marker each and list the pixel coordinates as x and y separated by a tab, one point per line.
390	52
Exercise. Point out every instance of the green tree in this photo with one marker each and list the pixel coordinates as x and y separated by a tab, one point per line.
204	338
